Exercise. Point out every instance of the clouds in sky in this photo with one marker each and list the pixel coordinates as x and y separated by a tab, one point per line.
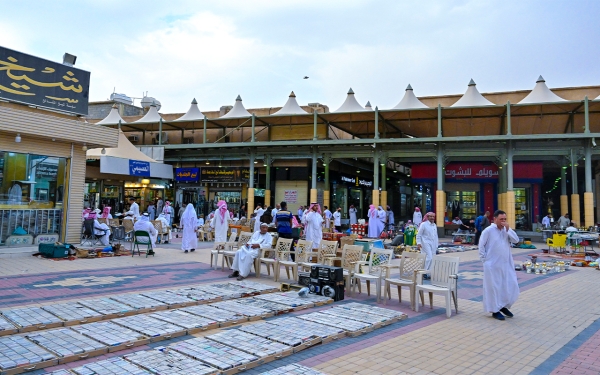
262	49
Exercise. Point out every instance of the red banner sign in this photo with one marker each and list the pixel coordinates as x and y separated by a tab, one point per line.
477	171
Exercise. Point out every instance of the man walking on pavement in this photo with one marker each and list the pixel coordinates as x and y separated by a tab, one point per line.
481	223
427	239
500	286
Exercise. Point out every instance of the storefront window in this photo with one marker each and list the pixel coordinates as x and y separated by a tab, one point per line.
339	198
32	190
522	209
462	204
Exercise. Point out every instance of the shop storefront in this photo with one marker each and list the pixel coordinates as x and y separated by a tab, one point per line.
351	190
472	188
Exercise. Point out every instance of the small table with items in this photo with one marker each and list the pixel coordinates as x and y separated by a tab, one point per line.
468	237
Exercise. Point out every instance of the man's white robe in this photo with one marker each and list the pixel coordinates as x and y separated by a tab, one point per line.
221	225
189	239
500	285
99	230
417	218
328	215
147	226
381	219
259	212
244	257
373	224
313	228
353	219
427	237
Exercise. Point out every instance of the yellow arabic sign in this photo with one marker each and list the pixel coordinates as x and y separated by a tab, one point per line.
31	80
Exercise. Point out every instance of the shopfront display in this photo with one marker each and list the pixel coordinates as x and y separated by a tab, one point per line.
462	204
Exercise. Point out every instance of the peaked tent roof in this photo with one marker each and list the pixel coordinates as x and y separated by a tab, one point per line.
113	117
238	110
193	114
409	100
291	107
125	150
472	98
541	94
350	104
368	106
151	116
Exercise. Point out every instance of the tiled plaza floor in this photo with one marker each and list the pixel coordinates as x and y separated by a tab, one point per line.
556	328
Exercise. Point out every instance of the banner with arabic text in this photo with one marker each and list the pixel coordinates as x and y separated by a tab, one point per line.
43	83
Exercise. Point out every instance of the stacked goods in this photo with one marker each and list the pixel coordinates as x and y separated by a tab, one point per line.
259	346
262	288
169	363
148	326
109	333
17	351
221	292
6	327
138	301
293	338
245	310
337	321
293	324
390	314
284	299
238	289
112	366
184	319
214	354
107	306
316	299
72	311
275	308
169	298
65	342
357	315
196	295
224	317
30	317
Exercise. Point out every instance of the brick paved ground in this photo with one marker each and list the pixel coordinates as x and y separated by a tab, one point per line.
556	328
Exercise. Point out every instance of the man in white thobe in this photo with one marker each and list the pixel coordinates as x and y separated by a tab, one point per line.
134	208
500	286
352	212
427	239
189	240
327	216
101	230
382	219
546	222
274	212
337	219
244	257
372	214
258	213
221	222
313	229
417	217
144	224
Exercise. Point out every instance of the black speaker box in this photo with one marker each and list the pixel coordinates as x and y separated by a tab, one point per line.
326	273
304	278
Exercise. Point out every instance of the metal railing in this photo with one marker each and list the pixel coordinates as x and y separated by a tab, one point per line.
33	221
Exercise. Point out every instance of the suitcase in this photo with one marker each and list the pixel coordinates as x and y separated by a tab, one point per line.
51	250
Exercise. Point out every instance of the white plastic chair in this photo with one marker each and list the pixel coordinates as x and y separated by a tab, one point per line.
301	251
282	252
410	264
230	247
372	270
444	280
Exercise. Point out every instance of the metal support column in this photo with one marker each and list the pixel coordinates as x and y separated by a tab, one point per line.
315	134
440	194
564	198
253	129
327	192
575	210
268	180
313	189
439	114
250	207
160	132
510	194
376	122
383	199
375	178
588	195
204	130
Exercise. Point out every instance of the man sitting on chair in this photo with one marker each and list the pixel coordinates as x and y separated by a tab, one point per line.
144	224
244	257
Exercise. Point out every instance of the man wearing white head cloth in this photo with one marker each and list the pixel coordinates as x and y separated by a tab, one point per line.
221	222
244	257
100	229
381	219
427	238
189	223
259	212
313	225
144	224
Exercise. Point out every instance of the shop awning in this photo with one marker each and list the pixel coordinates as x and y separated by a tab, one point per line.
126	159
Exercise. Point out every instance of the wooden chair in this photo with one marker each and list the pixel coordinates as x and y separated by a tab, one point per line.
372	270
128	225
281	252
348	240
163	232
208	232
410	264
141	237
114	223
300	252
102	220
444	280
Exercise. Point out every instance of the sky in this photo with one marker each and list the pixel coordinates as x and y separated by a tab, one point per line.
213	51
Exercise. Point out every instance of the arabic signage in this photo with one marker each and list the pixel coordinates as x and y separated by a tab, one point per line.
187	174
45	170
232	174
139	168
290	196
32	80
530	171
356	181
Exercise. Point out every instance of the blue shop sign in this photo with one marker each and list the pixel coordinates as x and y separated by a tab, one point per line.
139	168
187	174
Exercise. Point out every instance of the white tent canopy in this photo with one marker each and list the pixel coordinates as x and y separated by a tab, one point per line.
409	100
151	116
238	110
113	117
126	159
368	106
541	94
350	104
472	98
291	107
193	114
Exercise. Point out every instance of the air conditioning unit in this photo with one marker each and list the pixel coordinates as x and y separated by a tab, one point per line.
133	138
188	140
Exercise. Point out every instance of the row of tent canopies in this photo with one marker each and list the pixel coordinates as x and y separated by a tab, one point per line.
471	98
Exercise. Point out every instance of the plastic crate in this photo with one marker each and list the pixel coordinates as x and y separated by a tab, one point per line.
54	251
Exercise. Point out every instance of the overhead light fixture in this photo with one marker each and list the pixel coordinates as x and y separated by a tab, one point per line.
18	138
84	147
357	171
145	181
324	164
255	162
103	152
395	171
207	162
264	163
382	164
576	164
564	167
